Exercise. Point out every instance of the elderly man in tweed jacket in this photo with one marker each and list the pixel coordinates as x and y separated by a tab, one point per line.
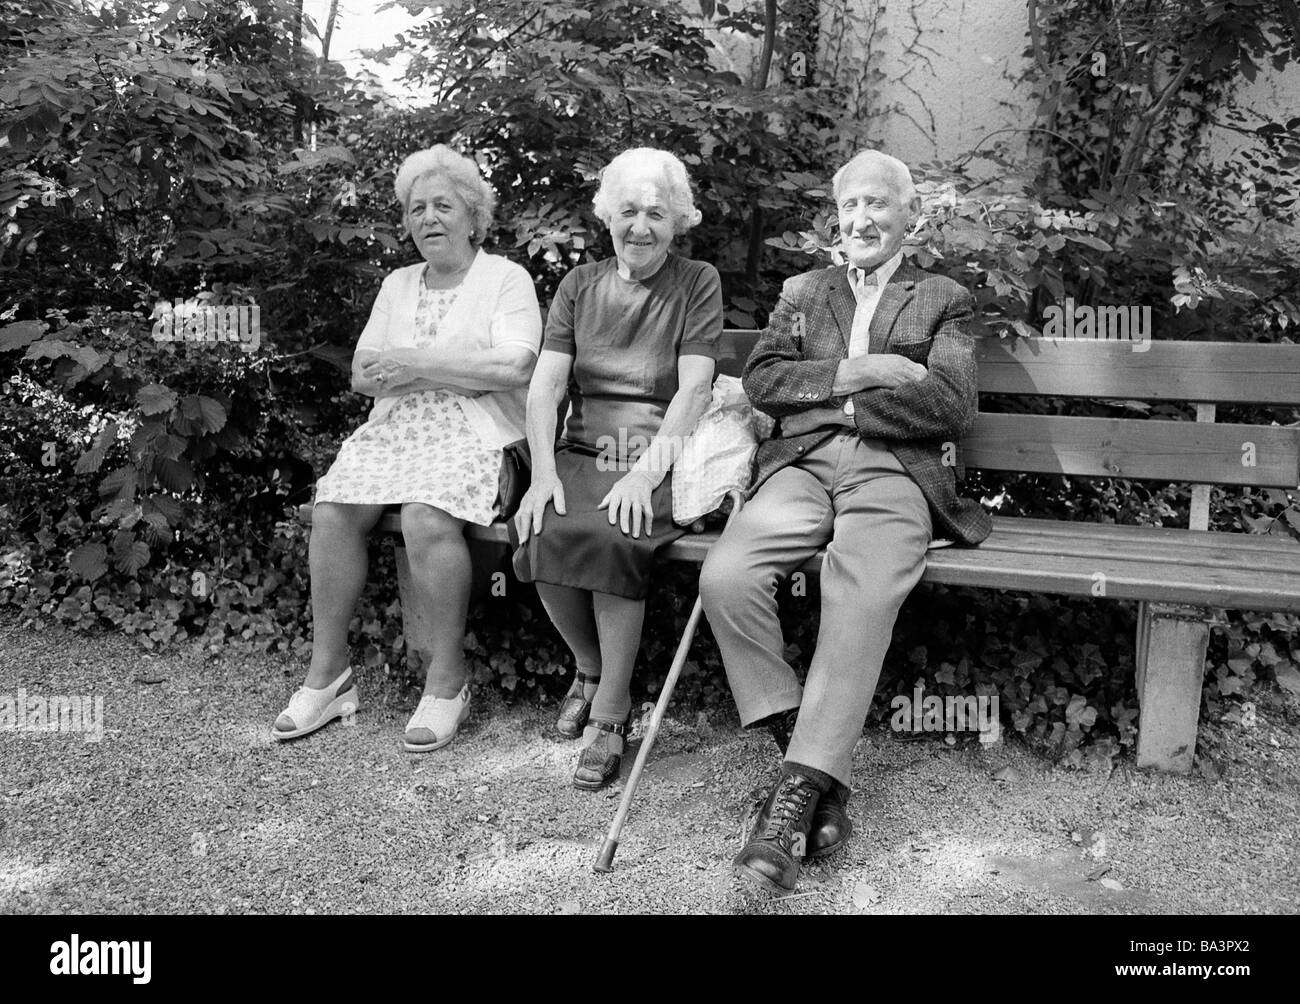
870	371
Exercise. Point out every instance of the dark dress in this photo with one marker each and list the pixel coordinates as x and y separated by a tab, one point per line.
625	336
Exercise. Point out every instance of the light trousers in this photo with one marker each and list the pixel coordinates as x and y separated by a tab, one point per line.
855	497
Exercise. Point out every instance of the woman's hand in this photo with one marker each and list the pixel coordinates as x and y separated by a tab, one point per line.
393	367
629	503
542	492
397	370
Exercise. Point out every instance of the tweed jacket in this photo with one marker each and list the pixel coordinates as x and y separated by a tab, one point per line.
920	315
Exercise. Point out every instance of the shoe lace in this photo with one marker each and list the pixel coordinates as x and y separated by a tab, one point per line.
788	806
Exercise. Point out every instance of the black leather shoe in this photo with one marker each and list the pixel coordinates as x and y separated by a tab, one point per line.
575	710
597	765
831	825
779	840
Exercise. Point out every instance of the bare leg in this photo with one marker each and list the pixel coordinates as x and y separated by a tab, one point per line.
571	612
440	575
618	625
337	558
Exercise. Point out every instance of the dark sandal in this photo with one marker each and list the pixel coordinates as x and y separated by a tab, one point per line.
575	710
597	767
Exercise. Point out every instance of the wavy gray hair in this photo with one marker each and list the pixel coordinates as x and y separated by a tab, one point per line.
659	164
462	174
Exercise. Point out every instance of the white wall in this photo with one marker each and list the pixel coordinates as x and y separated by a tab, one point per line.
948	67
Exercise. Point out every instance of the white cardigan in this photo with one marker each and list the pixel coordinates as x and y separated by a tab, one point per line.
496	305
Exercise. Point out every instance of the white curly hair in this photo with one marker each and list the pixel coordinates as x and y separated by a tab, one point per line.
462	174
898	173
648	162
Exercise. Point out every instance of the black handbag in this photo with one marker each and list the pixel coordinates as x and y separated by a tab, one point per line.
516	475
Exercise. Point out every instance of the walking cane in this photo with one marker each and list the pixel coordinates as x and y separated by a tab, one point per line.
605	859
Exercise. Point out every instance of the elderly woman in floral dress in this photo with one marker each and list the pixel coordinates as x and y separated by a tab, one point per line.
447	354
633	340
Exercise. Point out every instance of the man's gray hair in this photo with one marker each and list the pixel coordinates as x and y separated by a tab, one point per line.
660	164
461	173
900	177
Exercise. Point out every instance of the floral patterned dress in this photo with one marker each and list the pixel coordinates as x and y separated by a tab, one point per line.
423	450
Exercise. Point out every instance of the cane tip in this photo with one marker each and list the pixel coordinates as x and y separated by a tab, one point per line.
605	859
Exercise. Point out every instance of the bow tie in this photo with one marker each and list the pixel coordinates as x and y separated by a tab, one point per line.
869	281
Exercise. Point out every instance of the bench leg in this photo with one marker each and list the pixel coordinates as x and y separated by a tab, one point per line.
415	624
1171	646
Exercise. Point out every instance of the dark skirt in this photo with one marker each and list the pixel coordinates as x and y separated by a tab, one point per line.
581	549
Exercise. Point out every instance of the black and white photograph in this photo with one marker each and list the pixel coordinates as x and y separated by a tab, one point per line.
649	457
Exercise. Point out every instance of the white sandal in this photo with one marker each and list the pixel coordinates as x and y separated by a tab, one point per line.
310	708
439	719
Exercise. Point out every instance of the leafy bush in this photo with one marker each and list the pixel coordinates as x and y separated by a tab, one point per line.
203	153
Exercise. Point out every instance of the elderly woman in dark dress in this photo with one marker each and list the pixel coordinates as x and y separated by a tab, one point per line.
633	341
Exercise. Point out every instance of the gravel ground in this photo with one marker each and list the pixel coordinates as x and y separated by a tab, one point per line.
187	805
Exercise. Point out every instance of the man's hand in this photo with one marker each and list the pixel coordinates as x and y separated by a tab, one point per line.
880	369
813	418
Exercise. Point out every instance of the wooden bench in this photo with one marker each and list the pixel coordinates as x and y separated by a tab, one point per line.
1177	576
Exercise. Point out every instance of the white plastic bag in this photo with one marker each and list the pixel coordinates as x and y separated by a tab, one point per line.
716	456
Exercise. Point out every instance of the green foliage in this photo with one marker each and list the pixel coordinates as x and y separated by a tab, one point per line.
147	162
545	96
199	152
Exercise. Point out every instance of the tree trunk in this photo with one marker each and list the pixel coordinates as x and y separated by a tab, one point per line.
754	258
329	33
295	43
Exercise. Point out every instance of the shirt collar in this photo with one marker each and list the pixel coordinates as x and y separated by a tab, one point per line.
885	271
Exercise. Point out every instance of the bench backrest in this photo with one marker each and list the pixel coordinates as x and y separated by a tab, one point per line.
1202	373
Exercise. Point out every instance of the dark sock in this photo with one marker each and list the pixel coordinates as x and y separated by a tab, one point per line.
822	781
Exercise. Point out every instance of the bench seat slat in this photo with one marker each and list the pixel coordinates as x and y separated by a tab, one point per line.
1220	372
1189	566
1001	562
1135	448
1240	588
